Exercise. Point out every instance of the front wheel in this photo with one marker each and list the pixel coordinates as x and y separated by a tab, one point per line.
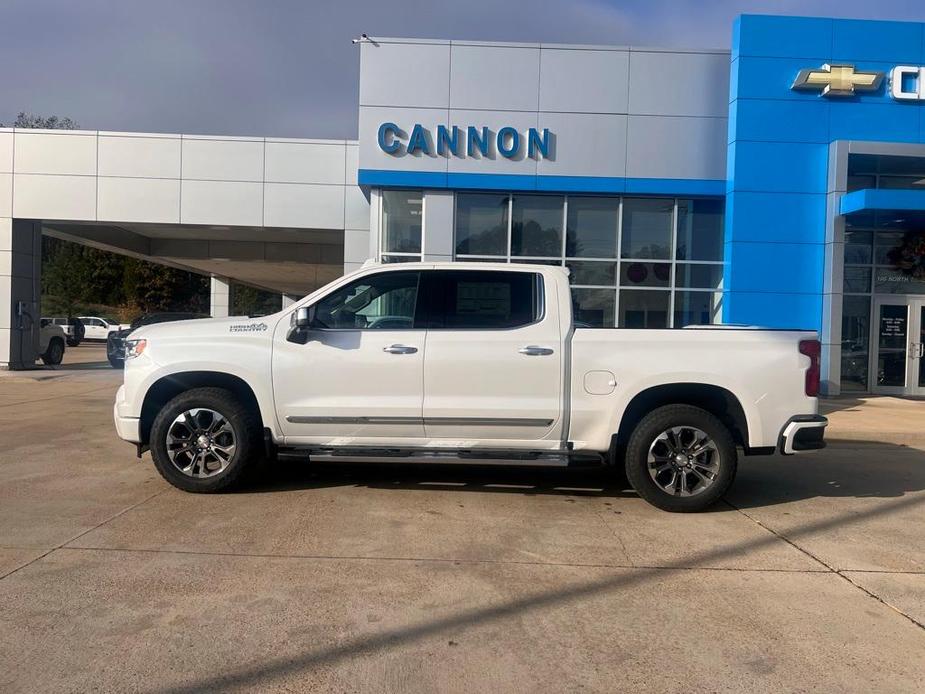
681	458
205	440
54	354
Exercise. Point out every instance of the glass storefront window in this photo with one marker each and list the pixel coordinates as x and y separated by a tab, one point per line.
647	228
645	274
401	221
593	308
697	308
536	225
855	339
696	276
481	224
594	273
644	309
857	280
858	245
592	227
700	230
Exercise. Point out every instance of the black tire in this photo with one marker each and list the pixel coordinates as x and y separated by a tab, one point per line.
247	431
54	353
116	363
644	436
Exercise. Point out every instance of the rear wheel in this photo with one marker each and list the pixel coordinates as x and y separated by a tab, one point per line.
681	458
205	440
54	353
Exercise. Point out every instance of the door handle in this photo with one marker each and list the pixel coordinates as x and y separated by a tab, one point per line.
534	351
400	349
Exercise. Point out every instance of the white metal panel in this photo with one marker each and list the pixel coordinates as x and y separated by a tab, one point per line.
152	157
6	195
221	202
54	197
679	84
295	162
385	80
6	151
585	145
676	147
352	163
356	208
222	160
46	153
155	200
304	205
492	77
583	80
356	246
494	121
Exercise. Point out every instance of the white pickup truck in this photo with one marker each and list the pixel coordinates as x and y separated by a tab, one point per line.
473	362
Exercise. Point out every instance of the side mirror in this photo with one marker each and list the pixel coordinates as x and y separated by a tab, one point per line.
303	317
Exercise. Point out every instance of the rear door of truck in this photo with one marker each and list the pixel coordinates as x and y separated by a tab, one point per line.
493	358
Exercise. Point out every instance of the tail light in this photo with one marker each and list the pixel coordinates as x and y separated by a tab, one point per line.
812	349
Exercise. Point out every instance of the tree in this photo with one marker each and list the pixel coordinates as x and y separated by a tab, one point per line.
31	120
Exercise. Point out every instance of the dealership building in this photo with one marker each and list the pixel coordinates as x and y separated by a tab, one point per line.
781	183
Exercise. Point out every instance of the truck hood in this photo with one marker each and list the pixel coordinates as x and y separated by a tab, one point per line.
208	327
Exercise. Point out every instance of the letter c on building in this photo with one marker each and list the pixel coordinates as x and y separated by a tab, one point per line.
900	74
388	138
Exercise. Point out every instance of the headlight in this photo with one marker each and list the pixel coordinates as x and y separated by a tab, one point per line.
134	348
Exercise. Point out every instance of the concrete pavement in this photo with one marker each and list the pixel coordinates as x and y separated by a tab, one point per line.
400	578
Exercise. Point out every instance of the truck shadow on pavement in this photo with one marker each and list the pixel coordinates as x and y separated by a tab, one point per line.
858	469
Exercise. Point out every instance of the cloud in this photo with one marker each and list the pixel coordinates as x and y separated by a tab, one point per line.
287	67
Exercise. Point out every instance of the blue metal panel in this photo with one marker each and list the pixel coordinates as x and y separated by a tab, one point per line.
777	217
887	121
882	199
780	167
771	78
897	42
558	184
792	37
760	120
800	311
776	267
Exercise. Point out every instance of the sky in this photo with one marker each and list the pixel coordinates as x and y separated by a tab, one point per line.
287	68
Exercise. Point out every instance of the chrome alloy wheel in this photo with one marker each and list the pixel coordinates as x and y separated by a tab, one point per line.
201	442
683	461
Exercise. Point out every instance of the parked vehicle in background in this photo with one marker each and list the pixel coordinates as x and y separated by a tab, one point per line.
467	362
115	339
96	328
73	327
52	339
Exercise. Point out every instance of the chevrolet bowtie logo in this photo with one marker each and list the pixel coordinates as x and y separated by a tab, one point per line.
837	80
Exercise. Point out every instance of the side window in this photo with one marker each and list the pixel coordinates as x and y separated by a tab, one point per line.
386	301
488	300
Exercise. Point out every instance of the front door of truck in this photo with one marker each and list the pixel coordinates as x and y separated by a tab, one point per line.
493	367
355	376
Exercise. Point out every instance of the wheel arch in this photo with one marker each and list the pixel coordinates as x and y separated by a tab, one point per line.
716	400
168	387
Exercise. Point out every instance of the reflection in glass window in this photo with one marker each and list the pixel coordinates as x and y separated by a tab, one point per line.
857	280
536	225
595	273
481	224
644	309
700	229
855	342
385	301
697	276
592	227
490	300
401	221
593	308
697	308
647	228
858	247
645	274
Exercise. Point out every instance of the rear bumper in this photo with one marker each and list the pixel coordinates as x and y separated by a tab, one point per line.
805	432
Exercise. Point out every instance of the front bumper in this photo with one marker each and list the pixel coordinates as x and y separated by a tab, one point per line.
804	432
127	428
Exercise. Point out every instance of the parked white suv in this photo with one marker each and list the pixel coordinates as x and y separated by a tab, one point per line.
436	362
96	328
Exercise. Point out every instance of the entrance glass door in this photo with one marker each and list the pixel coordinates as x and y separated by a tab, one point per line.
898	358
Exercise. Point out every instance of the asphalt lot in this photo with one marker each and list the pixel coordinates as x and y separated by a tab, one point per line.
398	578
